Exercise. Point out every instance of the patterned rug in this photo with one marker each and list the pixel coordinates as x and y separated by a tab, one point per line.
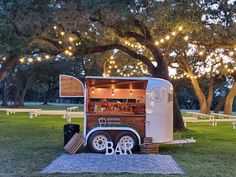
100	163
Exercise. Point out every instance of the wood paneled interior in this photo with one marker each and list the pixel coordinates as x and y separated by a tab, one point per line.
132	120
138	94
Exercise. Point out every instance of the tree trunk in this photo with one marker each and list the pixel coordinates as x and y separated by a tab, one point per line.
203	103
178	119
220	105
7	64
5	98
6	91
230	99
47	98
210	94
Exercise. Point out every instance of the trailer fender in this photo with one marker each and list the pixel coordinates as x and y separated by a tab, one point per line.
113	128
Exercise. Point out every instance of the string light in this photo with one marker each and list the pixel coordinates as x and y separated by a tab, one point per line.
39	58
167	37
186	38
62	33
71	39
156	43
22	60
180	28
60	42
231	53
30	60
54	27
70	54
201	53
47	57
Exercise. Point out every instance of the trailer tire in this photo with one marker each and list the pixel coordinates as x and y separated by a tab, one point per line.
127	136
97	141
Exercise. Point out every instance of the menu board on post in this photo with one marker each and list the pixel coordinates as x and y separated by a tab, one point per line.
70	86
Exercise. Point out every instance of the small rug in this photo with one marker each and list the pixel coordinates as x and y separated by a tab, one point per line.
100	163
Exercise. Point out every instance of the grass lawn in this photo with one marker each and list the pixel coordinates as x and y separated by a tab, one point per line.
27	146
50	106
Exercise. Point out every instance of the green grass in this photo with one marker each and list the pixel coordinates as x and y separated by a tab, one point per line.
27	146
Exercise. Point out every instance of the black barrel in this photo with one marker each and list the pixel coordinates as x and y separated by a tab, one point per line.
69	131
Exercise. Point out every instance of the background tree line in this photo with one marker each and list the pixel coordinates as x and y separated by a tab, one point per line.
145	37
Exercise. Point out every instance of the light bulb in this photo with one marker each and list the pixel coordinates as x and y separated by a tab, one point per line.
156	43
47	57
180	28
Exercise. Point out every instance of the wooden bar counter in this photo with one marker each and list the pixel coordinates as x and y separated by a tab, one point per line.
117	118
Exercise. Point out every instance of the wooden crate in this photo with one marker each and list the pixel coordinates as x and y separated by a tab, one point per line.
148	147
74	144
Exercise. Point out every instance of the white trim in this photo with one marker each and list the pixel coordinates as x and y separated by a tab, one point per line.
114	128
85	109
113	77
73	78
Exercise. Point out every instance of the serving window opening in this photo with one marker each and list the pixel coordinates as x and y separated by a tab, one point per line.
109	96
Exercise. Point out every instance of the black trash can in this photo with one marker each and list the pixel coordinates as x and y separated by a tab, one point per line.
69	131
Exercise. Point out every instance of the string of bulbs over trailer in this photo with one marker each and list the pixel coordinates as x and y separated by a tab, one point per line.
72	40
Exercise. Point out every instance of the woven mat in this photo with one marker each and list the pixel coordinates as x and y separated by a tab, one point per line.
100	163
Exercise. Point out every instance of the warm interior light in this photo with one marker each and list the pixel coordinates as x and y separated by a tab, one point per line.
112	92
130	92
92	91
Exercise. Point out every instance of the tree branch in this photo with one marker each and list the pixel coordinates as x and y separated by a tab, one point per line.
142	27
104	48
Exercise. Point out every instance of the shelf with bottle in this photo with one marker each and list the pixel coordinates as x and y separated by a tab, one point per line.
112	107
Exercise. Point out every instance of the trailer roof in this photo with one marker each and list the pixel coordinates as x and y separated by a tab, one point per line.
116	82
114	77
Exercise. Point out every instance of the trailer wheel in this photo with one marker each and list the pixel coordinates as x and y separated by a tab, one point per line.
97	141
127	137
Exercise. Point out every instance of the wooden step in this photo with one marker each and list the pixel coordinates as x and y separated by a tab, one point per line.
74	144
147	140
151	148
